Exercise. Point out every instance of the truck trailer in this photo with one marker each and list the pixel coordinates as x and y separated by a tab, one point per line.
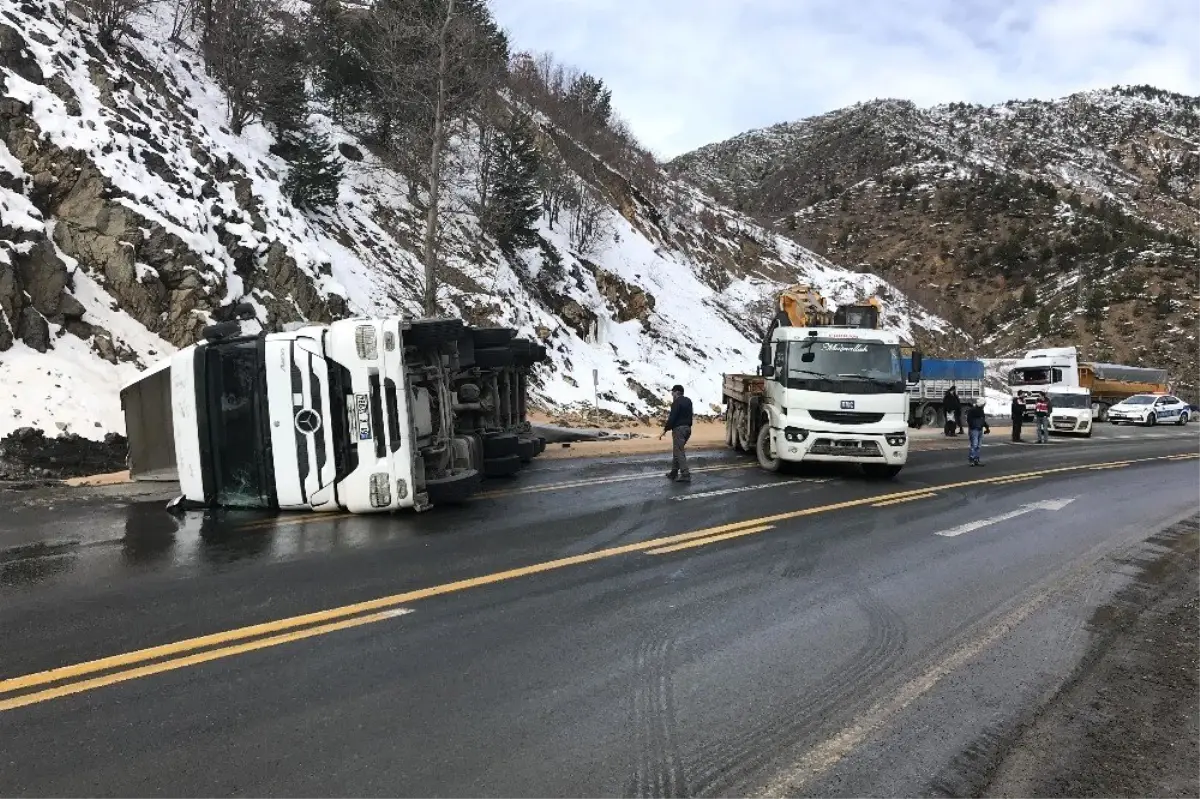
360	415
1046	370
937	375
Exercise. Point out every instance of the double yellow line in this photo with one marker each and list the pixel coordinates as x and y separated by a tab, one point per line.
206	648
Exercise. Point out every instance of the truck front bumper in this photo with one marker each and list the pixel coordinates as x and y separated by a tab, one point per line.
795	445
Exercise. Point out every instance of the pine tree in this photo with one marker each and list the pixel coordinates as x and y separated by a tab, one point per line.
1029	296
515	204
316	172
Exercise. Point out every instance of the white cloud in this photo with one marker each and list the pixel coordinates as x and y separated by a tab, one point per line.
689	72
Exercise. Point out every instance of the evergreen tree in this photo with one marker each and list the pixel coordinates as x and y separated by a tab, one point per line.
515	203
283	97
316	172
337	50
1029	296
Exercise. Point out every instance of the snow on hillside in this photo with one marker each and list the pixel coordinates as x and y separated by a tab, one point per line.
155	126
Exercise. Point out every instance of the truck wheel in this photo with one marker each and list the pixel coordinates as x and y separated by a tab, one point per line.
492	336
527	449
428	333
502	467
220	330
454	489
730	432
880	471
763	450
929	416
500	445
493	357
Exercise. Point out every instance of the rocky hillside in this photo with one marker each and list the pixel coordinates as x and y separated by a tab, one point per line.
1024	224
132	214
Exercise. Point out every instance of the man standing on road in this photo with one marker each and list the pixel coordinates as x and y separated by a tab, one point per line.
679	425
976	426
1042	414
1018	416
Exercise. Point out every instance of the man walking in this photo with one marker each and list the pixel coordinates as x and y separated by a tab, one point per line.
1018	416
1042	414
976	426
679	425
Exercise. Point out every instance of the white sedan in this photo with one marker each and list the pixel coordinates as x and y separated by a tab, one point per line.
1150	409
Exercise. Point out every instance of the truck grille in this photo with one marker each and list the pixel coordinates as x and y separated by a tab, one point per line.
847	449
846	417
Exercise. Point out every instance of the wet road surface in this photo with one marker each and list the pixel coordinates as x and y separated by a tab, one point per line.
587	629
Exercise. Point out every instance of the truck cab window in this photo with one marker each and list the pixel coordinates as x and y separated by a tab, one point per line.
781	349
236	422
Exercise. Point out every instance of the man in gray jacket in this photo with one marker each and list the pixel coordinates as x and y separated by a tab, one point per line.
679	425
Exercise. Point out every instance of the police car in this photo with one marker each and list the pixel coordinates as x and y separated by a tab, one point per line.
1150	409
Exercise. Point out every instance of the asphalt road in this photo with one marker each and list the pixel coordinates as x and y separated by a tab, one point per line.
588	629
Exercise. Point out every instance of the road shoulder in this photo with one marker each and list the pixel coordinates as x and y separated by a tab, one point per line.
1126	723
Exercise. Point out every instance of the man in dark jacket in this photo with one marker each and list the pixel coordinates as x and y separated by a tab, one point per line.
1018	416
976	426
679	425
952	406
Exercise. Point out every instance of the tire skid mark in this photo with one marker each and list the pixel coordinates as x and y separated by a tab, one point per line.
658	771
722	765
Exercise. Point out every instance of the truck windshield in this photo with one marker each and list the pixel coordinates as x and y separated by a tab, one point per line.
1029	376
1076	401
234	383
848	367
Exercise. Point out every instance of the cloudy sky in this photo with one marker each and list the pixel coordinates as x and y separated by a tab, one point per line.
688	72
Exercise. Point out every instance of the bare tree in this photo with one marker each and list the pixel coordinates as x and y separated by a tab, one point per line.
431	61
110	16
183	15
236	35
587	220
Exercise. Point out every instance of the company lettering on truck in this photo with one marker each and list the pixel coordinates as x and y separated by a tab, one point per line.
363	409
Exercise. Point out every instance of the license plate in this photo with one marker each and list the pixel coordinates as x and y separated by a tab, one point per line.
362	407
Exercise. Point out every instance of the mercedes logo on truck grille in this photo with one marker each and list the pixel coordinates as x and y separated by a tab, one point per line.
308	421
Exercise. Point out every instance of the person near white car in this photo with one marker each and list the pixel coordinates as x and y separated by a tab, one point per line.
1150	409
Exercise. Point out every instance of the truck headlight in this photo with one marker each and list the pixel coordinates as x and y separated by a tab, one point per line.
896	439
366	343
381	490
794	434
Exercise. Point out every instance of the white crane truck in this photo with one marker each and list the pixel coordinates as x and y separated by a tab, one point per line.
360	415
824	392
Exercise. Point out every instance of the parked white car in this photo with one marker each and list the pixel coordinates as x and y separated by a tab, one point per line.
1150	409
1071	411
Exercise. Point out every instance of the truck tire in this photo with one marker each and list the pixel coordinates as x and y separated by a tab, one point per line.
493	357
730	433
541	445
492	336
454	489
430	333
880	471
500	445
221	330
930	416
762	450
527	449
502	467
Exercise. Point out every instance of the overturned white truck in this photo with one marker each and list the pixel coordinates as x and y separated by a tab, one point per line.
360	415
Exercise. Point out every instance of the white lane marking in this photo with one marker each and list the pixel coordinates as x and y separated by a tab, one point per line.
1047	504
394	612
739	489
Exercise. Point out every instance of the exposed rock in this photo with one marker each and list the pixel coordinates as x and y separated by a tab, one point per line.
43	277
65	93
70	308
629	301
15	55
349	151
27	452
33	329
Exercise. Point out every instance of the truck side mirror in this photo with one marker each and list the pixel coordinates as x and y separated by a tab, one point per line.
916	361
767	369
914	377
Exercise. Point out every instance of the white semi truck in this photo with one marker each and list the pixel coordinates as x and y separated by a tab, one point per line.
824	393
360	415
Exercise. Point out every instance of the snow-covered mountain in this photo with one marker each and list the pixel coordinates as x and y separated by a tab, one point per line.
131	216
1025	224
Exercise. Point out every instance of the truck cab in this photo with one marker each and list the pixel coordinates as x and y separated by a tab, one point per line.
837	395
1043	370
